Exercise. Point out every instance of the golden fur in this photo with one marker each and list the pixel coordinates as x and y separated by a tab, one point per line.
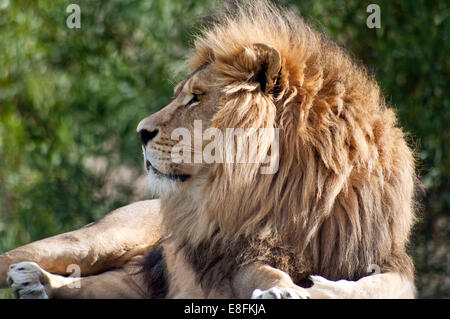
343	196
342	199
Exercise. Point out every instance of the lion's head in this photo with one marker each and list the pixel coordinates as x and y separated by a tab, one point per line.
341	198
195	98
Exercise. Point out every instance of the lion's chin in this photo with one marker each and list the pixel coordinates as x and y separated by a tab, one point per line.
161	186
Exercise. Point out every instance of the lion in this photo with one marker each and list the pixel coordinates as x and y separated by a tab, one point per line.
339	205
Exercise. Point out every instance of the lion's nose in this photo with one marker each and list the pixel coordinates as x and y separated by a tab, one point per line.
145	136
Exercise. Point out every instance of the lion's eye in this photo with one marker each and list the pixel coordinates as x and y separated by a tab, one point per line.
194	99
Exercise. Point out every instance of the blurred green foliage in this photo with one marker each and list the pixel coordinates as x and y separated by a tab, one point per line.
68	96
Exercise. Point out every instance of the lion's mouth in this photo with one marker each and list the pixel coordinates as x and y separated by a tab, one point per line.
174	177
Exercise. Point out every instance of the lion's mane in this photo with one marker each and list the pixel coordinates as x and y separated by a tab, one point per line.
342	198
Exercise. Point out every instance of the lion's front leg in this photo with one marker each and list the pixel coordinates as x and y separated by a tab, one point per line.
378	286
264	282
260	281
126	232
29	281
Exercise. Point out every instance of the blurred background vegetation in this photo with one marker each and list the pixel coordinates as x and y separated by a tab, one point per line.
70	100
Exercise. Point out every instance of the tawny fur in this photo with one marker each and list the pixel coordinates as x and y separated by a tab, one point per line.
341	201
343	196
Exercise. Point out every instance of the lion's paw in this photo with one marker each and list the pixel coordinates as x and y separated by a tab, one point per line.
281	293
323	288
24	279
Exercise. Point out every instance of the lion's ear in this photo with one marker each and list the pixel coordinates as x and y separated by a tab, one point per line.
265	62
268	66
